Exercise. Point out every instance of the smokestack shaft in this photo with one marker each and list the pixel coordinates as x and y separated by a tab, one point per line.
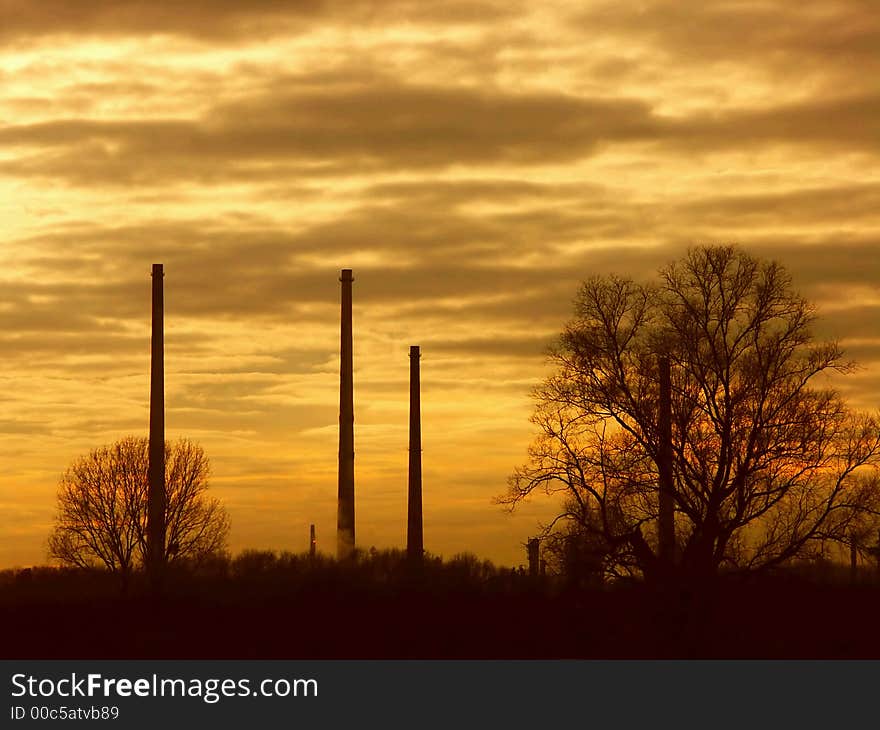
414	536
345	511
156	469
534	555
666	521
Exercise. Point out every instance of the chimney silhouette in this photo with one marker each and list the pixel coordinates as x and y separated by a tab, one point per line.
345	510
534	554
414	537
666	520
156	469
313	543
853	557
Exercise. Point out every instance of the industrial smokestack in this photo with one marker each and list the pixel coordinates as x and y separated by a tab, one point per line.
534	554
414	536
345	511
313	544
666	521
853	558
156	469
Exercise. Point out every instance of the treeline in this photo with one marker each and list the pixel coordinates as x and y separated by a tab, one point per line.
253	574
259	574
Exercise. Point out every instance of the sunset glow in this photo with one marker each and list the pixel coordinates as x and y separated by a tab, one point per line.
472	162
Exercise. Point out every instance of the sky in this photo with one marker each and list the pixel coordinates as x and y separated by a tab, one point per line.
471	161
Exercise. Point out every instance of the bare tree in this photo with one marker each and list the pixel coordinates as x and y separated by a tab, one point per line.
102	508
767	465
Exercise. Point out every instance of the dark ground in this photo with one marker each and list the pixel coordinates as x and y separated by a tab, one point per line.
331	617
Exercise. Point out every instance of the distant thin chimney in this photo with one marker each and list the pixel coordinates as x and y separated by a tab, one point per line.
853	557
313	544
666	520
156	468
414	536
345	510
534	554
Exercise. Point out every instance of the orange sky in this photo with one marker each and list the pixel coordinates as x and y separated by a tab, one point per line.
471	161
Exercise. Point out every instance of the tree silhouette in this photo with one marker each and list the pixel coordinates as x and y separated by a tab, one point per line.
102	508
766	465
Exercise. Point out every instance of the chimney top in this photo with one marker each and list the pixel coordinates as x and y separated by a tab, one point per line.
157	269
414	351
346	275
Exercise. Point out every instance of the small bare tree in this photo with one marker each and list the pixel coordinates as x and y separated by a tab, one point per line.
102	508
766	466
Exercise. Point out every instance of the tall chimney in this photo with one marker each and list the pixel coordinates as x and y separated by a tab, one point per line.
156	469
345	510
313	543
414	536
666	520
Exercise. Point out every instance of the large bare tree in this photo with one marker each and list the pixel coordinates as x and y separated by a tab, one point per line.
768	462
102	507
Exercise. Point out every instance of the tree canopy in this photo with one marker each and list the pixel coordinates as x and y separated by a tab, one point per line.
768	461
102	507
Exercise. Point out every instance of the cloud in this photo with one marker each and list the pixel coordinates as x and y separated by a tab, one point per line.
821	37
352	130
529	346
345	132
237	272
834	259
846	204
840	122
216	20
